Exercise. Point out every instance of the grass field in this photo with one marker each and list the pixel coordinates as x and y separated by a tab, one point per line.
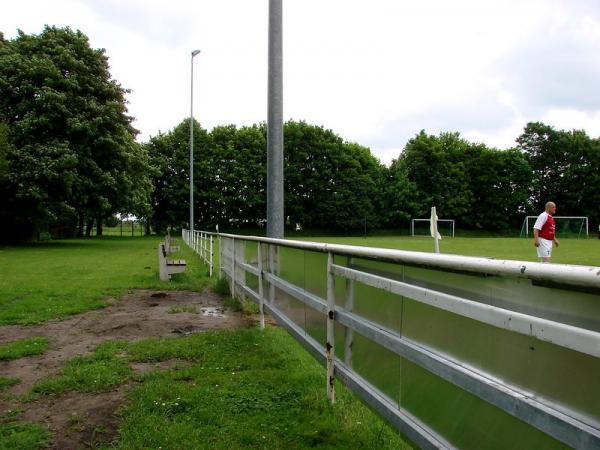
571	251
246	388
55	279
232	389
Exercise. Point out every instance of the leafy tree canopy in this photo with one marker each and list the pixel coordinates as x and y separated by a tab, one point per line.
72	149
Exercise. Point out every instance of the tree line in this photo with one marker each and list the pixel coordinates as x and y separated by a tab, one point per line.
69	161
338	185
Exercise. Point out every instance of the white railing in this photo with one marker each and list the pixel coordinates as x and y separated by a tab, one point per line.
481	341
202	243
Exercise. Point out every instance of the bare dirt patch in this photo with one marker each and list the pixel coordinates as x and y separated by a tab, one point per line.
80	420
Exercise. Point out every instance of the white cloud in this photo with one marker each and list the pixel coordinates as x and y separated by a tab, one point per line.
572	119
376	73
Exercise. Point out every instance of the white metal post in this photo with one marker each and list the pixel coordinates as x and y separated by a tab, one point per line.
232	289
330	344
261	292
349	306
211	257
240	275
206	248
220	255
272	257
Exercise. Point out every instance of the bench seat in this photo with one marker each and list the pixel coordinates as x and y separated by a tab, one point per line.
176	262
167	267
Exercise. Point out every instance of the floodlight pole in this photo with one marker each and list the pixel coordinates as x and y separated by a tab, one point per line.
194	53
275	216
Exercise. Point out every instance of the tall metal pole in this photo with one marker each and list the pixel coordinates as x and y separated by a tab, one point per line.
194	53
275	123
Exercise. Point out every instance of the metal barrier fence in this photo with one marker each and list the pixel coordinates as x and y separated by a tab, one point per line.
202	243
454	351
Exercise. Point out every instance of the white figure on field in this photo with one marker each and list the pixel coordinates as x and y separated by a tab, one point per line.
544	233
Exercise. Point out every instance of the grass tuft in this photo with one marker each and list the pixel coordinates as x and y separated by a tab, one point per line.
221	286
23	347
20	435
102	371
6	382
192	309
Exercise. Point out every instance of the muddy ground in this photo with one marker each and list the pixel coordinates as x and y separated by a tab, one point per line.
79	420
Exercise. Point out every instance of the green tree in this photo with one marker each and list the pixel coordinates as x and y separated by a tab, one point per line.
436	166
399	196
499	184
170	161
74	154
329	183
160	153
239	175
566	169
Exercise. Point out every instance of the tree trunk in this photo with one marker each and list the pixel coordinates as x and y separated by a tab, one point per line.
88	228
99	226
148	227
80	220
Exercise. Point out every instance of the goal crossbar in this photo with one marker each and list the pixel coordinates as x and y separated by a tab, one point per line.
440	221
530	221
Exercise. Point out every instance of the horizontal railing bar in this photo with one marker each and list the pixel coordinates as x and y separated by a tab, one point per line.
579	339
587	276
555	423
411	427
559	425
400	418
311	300
249	268
565	428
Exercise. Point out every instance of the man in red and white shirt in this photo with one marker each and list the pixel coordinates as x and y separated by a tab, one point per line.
544	233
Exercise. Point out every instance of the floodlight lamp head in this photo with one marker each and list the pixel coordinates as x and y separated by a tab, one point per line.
195	52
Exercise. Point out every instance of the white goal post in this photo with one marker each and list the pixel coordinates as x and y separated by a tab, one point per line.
575	225
445	230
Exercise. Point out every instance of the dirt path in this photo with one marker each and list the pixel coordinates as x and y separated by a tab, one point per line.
80	420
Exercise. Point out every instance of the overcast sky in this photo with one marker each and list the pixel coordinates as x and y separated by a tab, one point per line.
375	72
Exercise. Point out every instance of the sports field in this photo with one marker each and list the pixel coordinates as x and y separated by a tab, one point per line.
43	285
571	251
97	352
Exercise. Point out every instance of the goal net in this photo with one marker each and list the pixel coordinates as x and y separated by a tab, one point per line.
566	226
421	227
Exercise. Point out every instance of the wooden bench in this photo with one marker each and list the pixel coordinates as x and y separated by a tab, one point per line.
167	267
